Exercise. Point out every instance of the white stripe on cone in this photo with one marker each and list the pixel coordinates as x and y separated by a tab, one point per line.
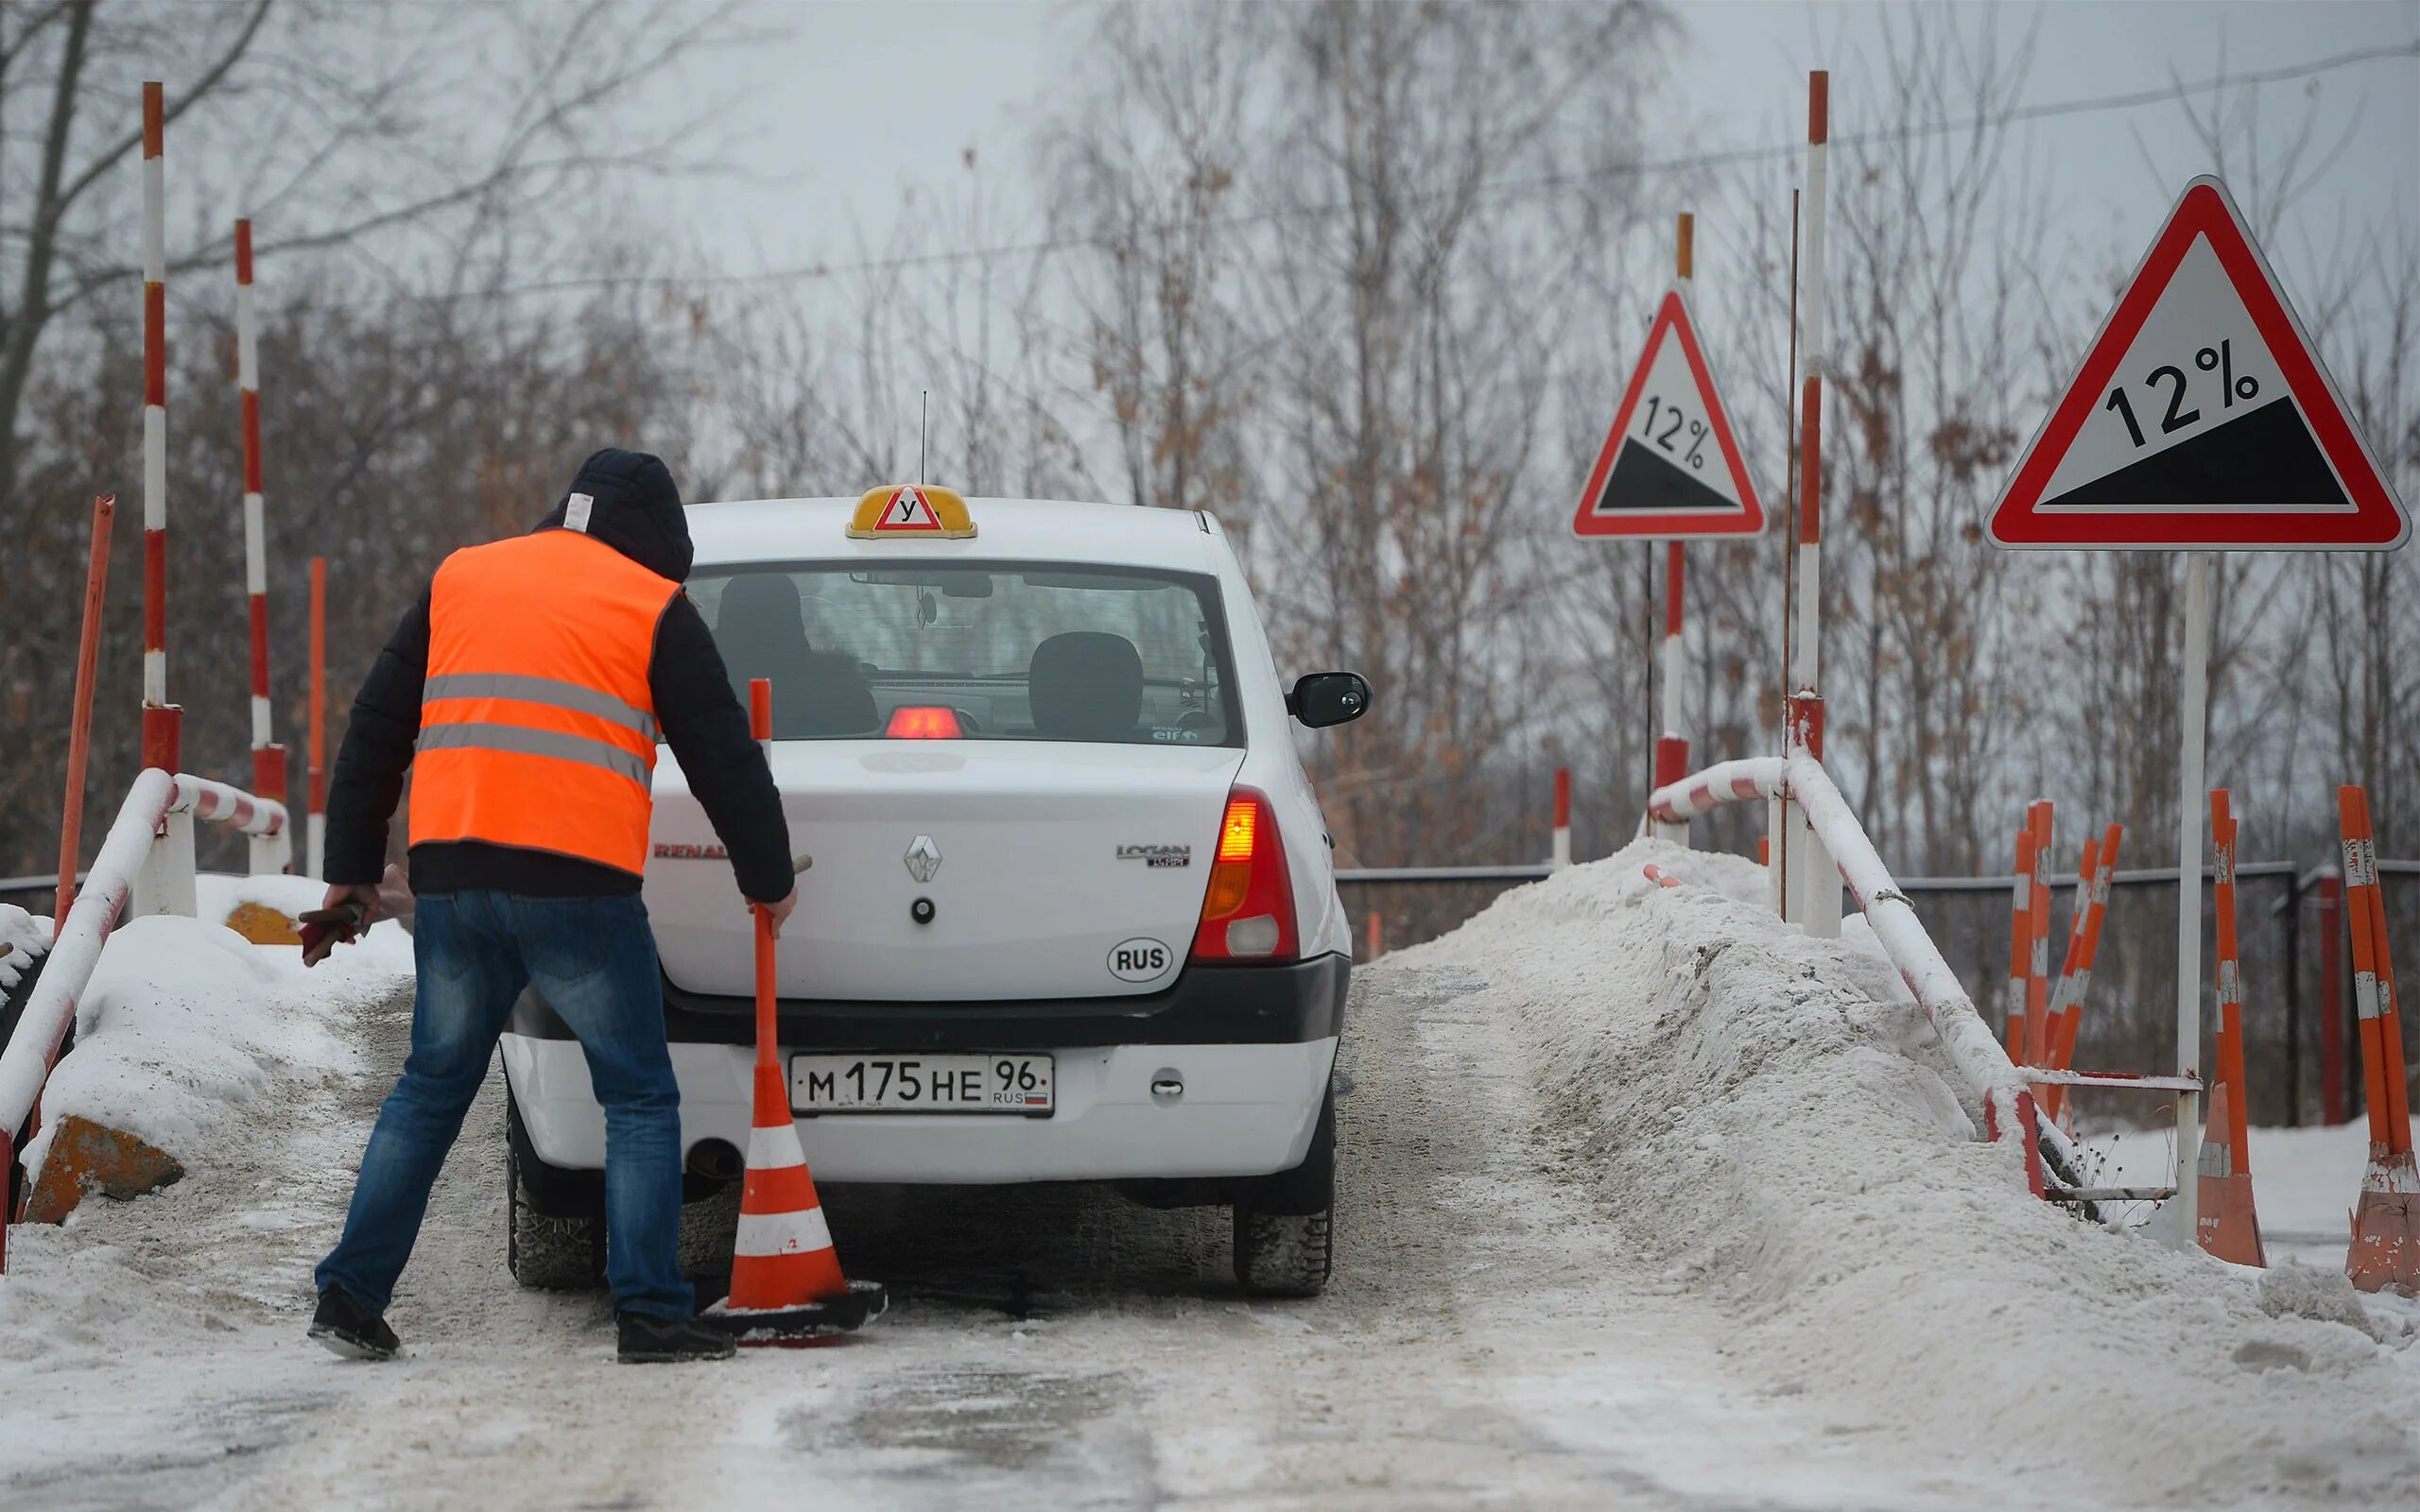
782	1234
770	1149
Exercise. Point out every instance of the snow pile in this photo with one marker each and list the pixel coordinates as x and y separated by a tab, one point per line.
22	937
1769	1118
2293	1289
184	1024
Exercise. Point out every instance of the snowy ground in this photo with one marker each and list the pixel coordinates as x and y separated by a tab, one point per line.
1648	1204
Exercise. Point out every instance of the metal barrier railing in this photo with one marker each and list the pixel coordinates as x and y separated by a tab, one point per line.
2300	1024
145	865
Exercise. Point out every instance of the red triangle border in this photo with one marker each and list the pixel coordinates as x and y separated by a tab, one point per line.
2204	210
1671	317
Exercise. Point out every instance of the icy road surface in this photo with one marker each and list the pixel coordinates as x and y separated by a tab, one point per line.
1486	1340
1649	1201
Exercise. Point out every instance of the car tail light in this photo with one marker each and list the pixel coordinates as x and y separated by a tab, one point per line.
922	722
1248	913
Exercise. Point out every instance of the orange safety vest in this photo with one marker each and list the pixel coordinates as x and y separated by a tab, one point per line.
537	726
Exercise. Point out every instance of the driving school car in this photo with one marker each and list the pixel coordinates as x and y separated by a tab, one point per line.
1071	912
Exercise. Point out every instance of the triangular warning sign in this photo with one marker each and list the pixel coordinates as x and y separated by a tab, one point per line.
2201	420
1670	469
909	510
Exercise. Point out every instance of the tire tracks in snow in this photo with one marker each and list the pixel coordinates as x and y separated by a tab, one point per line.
1489	1338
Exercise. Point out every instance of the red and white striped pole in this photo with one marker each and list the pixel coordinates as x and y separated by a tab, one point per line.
1673	749
1817	891
1562	818
316	839
269	853
159	715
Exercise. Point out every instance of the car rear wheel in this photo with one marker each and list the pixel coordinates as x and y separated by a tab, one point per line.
1285	1224
545	1251
1284	1254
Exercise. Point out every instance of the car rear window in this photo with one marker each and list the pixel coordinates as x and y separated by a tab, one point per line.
1011	650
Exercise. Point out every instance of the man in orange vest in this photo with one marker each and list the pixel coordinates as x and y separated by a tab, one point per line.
526	691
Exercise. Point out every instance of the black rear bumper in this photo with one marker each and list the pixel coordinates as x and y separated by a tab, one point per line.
1208	1005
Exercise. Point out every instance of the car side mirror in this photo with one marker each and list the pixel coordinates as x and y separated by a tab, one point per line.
1323	698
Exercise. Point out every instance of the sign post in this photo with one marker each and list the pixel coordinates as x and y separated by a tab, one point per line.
1816	888
1671	471
2200	421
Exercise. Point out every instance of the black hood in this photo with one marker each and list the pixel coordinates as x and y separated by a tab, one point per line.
633	507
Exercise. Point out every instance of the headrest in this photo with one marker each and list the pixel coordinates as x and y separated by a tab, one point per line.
760	613
1086	685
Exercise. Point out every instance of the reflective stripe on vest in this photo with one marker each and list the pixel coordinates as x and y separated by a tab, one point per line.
538	724
525	688
539	743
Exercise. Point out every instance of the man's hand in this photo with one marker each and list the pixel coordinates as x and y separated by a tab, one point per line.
394	894
364	893
775	913
342	918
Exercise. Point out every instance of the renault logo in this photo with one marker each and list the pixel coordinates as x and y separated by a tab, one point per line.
924	858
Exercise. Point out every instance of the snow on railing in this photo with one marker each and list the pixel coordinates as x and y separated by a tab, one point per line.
2007	1101
146	860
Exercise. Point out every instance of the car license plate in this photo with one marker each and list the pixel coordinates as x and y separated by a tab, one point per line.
922	1083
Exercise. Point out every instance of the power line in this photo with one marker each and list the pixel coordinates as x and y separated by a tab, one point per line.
1516	188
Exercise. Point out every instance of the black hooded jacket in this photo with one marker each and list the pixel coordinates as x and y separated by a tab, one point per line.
637	512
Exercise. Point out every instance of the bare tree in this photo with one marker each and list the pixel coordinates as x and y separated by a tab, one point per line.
351	127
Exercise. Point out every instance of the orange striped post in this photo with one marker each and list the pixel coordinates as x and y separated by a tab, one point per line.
2386	1222
79	716
2020	944
2037	967
1377	934
2225	1222
2077	912
2077	980
2332	1087
159	732
316	835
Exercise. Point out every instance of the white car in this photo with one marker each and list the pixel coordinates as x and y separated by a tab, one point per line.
1071	912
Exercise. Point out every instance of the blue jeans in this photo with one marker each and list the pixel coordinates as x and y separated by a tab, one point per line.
594	960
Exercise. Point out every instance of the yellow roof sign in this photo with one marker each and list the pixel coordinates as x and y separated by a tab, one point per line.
911	509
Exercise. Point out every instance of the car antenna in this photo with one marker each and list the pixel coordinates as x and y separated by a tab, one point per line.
924	416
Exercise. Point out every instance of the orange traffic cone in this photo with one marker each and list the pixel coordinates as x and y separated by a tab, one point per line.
785	1283
784	1254
2386	1226
2386	1223
2226	1224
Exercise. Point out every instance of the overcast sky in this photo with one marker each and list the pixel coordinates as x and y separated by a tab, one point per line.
862	101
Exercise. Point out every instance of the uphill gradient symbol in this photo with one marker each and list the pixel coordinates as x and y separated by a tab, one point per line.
1670	469
2201	418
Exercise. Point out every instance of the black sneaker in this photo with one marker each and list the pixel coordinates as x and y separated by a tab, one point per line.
660	1340
346	1327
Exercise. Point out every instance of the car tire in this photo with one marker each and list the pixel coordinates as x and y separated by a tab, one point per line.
1285	1224
1284	1254
709	1226
543	1251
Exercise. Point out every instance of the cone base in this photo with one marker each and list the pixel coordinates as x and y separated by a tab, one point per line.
802	1326
2228	1224
2386	1226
